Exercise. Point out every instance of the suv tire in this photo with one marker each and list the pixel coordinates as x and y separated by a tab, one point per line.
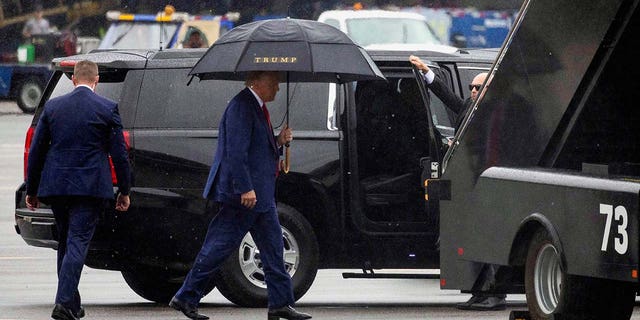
246	287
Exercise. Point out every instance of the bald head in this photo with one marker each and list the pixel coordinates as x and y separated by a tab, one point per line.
85	72
476	84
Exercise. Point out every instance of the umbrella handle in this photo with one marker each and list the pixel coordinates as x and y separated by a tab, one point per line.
286	160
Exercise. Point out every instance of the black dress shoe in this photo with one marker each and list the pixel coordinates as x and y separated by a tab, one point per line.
80	313
467	305
60	312
190	311
490	303
287	312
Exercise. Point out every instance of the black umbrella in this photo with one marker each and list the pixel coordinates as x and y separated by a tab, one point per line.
308	51
311	51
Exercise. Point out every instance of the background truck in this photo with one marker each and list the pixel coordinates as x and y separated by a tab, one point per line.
24	83
25	79
166	29
543	180
25	63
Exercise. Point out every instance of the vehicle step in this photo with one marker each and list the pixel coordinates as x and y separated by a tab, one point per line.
357	275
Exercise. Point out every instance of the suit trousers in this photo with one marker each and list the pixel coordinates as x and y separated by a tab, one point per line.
224	235
76	219
486	284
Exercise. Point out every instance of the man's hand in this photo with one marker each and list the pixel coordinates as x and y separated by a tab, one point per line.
285	136
32	202
418	63
123	202
248	199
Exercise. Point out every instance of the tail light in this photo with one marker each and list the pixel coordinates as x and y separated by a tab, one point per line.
127	144
27	146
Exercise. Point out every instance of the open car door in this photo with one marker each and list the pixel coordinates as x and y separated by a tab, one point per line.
431	165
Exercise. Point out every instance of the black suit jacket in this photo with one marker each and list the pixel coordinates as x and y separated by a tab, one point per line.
451	100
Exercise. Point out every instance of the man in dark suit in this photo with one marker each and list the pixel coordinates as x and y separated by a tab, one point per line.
442	91
68	168
483	295
242	179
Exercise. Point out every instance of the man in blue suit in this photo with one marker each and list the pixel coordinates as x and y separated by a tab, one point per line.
68	168
242	179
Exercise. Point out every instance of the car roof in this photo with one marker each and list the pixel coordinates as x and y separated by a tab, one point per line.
363	14
399	58
187	58
435	48
134	58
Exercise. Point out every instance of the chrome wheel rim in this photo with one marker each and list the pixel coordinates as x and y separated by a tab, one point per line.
548	279
251	264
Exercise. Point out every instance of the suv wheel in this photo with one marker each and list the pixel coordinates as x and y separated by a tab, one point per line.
155	284
241	278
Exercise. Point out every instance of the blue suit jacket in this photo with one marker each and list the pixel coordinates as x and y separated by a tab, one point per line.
69	152
247	156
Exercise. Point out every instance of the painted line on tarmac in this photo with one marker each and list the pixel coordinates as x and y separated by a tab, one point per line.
18	258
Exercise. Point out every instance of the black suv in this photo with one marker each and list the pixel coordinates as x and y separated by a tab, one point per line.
354	197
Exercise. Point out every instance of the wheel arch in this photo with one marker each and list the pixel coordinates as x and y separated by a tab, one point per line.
529	226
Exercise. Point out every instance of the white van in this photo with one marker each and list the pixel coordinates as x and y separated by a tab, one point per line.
373	27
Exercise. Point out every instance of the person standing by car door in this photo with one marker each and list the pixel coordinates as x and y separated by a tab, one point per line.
242	179
68	168
483	295
442	91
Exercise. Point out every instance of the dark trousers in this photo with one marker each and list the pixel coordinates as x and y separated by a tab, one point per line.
225	232
486	284
76	219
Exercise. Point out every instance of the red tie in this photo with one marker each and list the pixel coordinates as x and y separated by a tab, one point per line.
266	116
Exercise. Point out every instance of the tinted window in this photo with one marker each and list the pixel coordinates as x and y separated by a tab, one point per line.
108	87
439	112
167	102
466	77
309	106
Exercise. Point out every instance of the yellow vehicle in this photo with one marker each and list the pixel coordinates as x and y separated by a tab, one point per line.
167	29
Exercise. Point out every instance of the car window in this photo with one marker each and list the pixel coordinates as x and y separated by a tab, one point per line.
308	110
441	117
109	89
192	29
167	102
333	23
367	31
138	35
466	77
